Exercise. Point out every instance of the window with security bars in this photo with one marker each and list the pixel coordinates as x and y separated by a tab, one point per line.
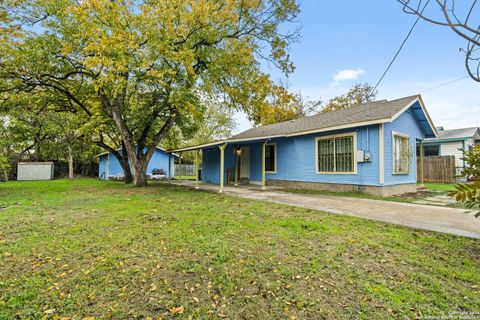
401	154
336	154
270	158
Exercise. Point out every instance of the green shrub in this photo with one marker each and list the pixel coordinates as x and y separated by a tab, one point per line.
469	193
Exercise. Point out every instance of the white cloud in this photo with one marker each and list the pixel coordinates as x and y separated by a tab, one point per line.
348	74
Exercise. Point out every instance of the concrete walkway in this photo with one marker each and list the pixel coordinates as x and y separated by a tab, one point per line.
441	219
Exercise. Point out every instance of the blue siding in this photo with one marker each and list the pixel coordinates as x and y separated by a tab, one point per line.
296	156
211	164
296	159
407	124
109	165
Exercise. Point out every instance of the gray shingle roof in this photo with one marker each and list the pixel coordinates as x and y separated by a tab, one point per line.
456	133
377	110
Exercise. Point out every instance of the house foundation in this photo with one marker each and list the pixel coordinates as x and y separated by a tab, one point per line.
384	191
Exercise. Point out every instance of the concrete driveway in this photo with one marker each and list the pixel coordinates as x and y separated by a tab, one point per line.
448	220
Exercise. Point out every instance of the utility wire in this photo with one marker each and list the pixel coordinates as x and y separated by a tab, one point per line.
367	113
444	84
398	51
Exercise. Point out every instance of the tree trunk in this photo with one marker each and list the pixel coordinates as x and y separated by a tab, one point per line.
123	160
126	165
140	170
138	159
140	179
126	169
36	141
5	175
70	162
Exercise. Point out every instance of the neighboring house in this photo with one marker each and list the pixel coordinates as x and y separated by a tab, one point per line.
109	166
367	148
451	143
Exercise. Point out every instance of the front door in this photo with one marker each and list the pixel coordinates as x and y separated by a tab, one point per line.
245	162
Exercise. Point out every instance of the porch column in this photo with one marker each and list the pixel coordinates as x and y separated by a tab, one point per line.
263	165
180	167
196	168
237	149
421	163
222	166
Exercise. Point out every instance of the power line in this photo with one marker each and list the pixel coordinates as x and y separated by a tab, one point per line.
444	84
398	51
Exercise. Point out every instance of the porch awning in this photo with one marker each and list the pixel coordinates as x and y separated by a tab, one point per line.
227	141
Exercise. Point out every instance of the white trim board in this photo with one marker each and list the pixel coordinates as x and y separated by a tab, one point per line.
424	109
381	151
326	129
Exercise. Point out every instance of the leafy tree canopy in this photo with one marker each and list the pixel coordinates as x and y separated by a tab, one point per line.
142	67
358	94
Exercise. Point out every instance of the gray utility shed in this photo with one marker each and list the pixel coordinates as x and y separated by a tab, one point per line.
35	171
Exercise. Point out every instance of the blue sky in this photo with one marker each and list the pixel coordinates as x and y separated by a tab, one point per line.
353	41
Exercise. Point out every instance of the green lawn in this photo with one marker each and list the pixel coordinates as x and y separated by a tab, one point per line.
106	250
185	177
440	186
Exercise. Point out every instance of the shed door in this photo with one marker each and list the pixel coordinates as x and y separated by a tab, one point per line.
245	162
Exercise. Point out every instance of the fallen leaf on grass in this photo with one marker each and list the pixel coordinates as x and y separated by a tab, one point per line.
177	309
49	311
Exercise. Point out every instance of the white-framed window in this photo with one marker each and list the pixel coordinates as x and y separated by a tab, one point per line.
400	153
271	158
336	153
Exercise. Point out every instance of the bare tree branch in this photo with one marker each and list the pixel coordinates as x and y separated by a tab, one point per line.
450	17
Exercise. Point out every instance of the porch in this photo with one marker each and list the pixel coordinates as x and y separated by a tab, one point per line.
243	164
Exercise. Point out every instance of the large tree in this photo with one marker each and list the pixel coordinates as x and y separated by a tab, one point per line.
461	17
285	106
143	66
356	95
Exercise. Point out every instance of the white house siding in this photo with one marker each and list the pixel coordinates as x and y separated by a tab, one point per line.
452	149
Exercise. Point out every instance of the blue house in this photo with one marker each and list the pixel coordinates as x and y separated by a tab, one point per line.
109	166
369	148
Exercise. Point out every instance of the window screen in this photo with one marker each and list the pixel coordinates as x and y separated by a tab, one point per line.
336	154
401	154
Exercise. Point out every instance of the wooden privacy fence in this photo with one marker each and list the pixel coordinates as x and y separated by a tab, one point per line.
187	170
437	169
